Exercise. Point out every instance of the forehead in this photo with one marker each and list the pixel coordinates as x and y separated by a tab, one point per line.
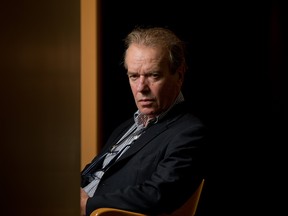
140	56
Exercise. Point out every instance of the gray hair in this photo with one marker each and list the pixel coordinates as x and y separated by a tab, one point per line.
159	37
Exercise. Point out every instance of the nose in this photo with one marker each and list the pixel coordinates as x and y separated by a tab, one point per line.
142	84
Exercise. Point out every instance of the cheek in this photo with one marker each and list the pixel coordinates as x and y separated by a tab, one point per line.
162	93
133	89
168	91
167	88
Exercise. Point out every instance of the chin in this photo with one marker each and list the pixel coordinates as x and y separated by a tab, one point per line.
146	111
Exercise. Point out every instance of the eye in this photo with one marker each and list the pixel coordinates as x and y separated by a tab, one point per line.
133	76
154	76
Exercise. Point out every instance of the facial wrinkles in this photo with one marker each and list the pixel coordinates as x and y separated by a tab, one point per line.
146	83
143	61
143	66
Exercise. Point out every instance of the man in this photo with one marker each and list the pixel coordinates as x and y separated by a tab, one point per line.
158	153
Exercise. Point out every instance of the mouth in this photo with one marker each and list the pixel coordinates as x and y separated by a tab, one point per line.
145	102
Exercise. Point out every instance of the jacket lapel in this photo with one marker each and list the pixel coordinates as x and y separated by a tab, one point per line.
152	132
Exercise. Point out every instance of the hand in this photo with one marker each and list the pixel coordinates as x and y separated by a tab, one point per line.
83	200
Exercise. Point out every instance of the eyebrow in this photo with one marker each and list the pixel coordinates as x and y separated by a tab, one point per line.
145	73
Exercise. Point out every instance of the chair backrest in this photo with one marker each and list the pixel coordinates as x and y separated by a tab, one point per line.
187	209
190	206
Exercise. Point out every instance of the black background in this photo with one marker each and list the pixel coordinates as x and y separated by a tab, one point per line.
236	83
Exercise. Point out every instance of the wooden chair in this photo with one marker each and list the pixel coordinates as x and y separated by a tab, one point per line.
188	208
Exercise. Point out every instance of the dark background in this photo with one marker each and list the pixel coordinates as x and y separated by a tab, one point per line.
236	83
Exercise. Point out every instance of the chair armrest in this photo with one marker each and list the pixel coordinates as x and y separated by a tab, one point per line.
114	212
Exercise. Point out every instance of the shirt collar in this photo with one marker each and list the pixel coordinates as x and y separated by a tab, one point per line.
141	119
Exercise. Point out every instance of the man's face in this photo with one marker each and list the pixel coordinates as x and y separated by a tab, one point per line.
153	86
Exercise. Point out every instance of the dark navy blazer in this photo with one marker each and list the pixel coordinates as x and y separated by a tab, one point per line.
164	162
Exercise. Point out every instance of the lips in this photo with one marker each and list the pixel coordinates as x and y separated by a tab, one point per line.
145	102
